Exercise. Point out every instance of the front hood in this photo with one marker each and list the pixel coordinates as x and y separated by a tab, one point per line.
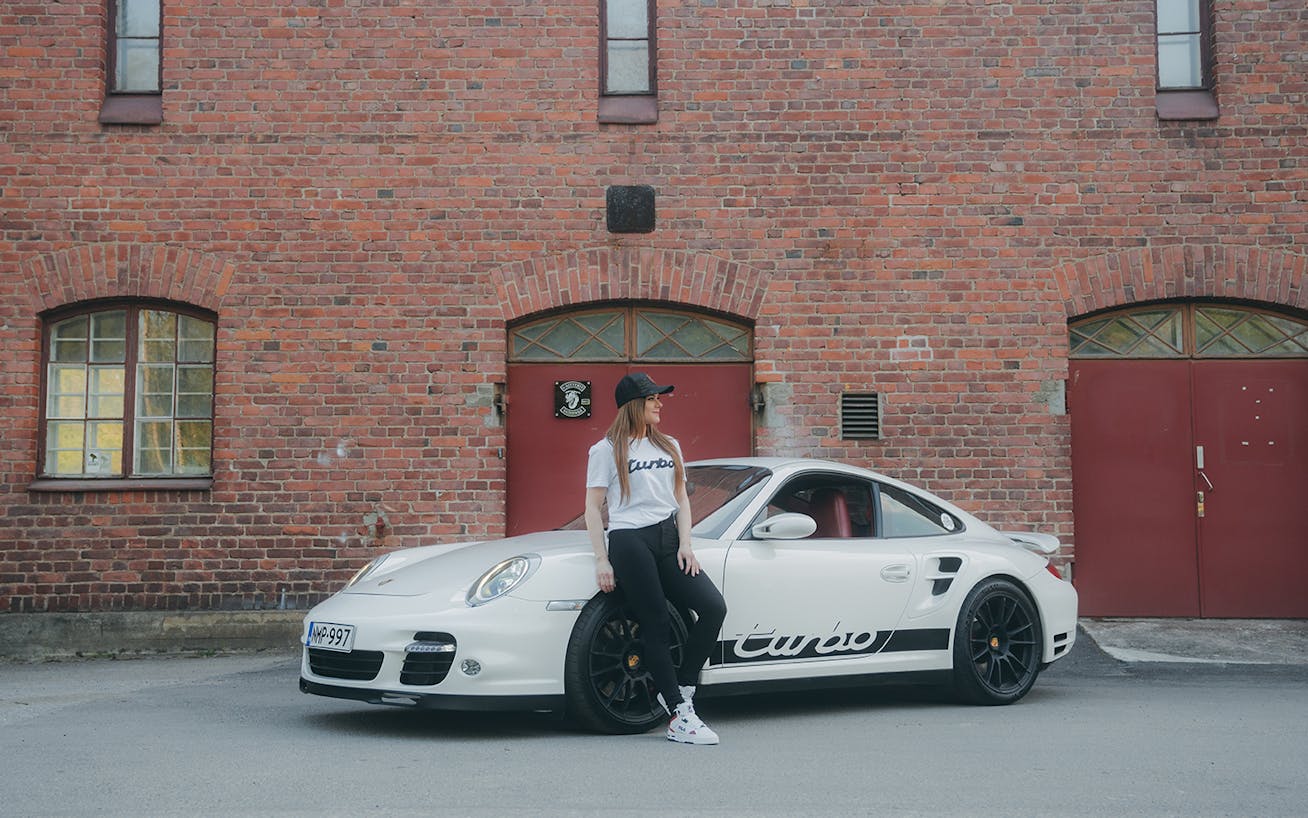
449	571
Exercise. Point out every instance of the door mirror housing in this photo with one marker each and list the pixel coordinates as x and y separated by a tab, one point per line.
788	526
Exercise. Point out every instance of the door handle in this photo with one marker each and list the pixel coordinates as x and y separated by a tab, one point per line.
896	573
1206	480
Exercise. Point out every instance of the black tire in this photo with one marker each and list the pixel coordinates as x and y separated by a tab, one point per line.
997	644
607	686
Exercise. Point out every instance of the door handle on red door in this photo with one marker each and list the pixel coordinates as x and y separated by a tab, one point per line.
1206	480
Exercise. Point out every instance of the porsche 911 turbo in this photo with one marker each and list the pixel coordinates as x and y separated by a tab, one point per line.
833	575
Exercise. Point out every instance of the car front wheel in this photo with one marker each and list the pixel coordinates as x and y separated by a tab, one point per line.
996	644
607	682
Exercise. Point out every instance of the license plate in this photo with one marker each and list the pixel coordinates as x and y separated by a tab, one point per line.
330	636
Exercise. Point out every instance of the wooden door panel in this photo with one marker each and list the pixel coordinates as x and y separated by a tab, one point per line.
1251	417
1133	497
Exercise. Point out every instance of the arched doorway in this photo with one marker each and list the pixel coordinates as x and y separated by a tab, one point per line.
1190	460
559	398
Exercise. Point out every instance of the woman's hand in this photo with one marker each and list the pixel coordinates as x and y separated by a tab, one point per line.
604	576
686	560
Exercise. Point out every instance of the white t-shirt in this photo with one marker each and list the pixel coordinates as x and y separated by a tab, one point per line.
652	474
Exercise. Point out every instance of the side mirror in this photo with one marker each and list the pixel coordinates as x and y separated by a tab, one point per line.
788	526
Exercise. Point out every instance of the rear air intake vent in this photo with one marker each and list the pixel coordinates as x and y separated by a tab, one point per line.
860	416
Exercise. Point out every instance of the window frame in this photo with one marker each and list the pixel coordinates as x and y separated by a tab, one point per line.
46	481
628	107
1187	102
134	107
1185	315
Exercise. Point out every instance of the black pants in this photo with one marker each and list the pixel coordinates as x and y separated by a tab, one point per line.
645	567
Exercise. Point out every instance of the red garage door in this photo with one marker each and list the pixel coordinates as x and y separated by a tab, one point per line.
1189	462
560	397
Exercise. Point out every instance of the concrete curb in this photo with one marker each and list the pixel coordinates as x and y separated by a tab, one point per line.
49	636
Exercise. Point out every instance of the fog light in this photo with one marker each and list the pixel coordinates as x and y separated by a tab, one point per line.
470	667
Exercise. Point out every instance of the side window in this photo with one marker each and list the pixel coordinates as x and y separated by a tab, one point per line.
128	393
907	515
841	506
133	75
1184	46
628	62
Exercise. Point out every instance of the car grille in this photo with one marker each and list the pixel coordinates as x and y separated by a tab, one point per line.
357	665
428	658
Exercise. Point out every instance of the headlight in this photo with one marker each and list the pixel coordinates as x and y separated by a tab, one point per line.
501	579
366	570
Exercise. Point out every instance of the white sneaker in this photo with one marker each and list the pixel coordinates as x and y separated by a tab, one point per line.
688	728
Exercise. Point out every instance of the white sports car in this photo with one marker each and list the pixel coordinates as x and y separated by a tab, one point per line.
833	575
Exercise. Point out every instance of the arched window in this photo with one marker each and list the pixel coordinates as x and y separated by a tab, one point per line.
647	334
1193	330
128	392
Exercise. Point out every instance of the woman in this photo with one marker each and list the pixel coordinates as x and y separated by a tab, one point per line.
638	470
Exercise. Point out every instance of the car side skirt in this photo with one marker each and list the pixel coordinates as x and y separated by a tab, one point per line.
902	679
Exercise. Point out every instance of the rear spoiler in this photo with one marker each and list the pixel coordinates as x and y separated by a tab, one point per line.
1040	543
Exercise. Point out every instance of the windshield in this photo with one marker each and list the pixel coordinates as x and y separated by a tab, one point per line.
717	494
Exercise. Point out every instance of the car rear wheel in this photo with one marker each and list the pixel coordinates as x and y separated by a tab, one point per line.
996	644
607	683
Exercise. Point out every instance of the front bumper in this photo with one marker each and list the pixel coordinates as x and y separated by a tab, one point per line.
513	649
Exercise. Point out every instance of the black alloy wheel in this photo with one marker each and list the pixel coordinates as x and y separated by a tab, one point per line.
997	644
607	683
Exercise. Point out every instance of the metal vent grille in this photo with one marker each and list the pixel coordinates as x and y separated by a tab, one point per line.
860	416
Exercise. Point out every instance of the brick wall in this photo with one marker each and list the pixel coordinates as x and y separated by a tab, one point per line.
909	198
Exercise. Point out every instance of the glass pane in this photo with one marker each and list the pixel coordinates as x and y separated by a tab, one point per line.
138	18
610	328
68	340
63	447
1257	334
154	390
1178	16
158	336
105	395
1121	335
524	351
105	352
194	391
193	461
196	345
194	440
154	447
68	350
109	337
1179	63
1149	333
195	380
628	19
664	351
138	66
66	391
104	447
109	326
628	68
564	338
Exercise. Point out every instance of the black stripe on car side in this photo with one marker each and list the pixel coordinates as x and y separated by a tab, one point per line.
756	647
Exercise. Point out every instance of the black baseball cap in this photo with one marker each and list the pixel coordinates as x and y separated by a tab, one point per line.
637	385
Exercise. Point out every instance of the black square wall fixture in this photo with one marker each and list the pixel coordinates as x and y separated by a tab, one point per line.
630	208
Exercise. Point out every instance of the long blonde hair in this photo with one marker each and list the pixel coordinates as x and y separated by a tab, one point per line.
630	424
